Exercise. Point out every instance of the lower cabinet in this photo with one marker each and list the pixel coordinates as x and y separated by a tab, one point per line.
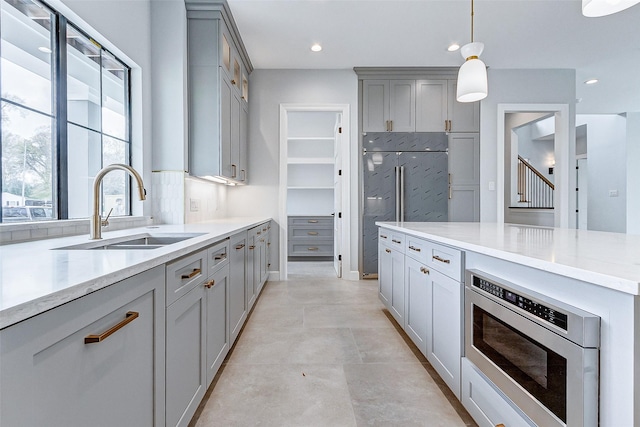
63	368
237	284
186	351
391	279
486	404
418	294
217	326
444	346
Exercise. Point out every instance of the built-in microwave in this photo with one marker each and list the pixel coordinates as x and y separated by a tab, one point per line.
541	353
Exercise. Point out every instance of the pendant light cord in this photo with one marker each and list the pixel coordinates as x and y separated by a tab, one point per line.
471	21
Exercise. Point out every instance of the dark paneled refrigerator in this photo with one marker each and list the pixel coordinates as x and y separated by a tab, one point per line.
405	178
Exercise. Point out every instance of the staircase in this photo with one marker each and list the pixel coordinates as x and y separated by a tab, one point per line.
534	190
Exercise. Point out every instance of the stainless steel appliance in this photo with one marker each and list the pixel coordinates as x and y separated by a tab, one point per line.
542	353
405	178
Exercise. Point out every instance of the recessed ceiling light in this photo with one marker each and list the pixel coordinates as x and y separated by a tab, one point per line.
44	49
453	47
316	47
591	81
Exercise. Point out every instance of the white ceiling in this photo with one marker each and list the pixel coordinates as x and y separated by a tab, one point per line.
516	33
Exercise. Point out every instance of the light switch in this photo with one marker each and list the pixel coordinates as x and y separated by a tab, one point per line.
194	205
492	186
613	193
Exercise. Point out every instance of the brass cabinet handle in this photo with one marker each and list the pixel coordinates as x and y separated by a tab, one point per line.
219	257
499	425
424	270
233	82
130	317
396	241
413	248
312	233
259	232
195	272
238	247
244	174
446	125
234	170
388	251
383	236
252	247
312	249
264	229
450	126
312	221
391	125
437	258
210	284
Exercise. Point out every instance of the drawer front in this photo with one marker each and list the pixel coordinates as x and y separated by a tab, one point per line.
315	249
317	221
392	239
418	249
184	274
446	260
311	234
217	256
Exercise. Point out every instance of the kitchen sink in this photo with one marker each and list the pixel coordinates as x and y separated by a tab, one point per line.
139	241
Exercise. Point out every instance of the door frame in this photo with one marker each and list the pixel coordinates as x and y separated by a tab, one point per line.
345	238
564	158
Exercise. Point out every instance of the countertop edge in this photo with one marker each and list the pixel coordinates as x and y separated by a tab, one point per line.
594	277
27	309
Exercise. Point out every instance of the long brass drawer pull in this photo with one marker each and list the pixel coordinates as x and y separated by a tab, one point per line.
219	257
424	270
413	248
383	236
195	272
210	284
388	251
240	247
437	258
251	247
130	317
259	232
312	249
312	233
312	221
396	241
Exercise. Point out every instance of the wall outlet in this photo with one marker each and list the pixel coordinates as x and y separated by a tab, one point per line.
613	193
194	205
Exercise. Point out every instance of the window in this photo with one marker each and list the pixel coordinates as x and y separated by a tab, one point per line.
65	114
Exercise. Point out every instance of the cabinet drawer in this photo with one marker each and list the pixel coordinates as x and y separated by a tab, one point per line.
217	256
392	239
485	403
321	249
185	273
446	260
418	249
316	221
311	234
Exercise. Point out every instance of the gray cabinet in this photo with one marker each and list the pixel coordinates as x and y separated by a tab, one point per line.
462	116
417	288
218	71
391	275
310	236
217	327
389	106
54	371
237	284
431	106
464	177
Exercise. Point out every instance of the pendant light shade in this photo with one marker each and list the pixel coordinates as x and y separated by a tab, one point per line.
596	8
472	76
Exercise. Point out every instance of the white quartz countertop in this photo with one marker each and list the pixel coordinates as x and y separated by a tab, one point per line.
35	277
610	260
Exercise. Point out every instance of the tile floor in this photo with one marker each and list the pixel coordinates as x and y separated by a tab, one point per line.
321	351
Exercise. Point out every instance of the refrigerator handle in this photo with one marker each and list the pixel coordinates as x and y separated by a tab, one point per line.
401	193
397	173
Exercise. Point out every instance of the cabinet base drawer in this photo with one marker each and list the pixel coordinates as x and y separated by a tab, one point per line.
310	249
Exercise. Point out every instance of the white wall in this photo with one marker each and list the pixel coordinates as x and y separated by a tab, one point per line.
269	89
633	173
513	87
607	171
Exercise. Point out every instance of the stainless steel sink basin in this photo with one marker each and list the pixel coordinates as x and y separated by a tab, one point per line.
139	241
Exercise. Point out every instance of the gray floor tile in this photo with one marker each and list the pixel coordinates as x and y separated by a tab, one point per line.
337	316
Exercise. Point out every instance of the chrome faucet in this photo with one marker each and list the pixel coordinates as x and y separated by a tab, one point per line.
96	220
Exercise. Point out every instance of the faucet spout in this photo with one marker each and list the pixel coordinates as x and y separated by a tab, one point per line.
96	219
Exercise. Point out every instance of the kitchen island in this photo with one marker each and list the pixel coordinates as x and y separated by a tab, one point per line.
596	272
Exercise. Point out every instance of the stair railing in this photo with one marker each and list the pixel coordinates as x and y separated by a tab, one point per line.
534	188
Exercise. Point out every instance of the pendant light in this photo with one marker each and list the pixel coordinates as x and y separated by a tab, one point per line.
472	76
596	8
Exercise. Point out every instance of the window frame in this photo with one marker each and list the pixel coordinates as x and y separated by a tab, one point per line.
59	140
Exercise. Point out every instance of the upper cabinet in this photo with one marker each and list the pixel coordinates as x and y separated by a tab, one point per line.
416	105
219	70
